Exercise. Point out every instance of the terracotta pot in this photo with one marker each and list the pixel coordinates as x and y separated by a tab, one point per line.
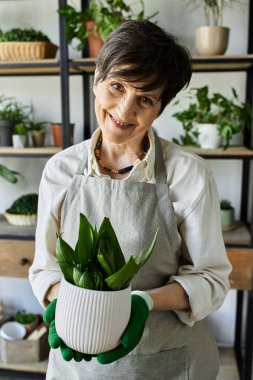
57	133
94	40
211	40
91	321
208	137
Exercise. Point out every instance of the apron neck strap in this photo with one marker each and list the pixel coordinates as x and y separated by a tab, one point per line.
83	163
160	170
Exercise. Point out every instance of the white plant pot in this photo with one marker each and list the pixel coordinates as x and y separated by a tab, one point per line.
91	321
209	137
19	141
211	40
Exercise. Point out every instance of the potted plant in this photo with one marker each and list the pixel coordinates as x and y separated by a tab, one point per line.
29	320
11	112
97	21
208	118
19	136
23	211
19	44
211	39
96	281
227	215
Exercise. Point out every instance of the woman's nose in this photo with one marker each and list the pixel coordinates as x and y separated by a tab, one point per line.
127	107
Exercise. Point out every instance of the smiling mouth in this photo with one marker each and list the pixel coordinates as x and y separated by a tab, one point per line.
119	124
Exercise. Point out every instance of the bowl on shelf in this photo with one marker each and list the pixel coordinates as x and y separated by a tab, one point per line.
12	331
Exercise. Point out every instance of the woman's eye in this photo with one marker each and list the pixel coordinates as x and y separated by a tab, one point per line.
117	86
146	101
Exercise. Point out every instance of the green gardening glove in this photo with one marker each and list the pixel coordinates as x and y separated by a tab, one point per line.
55	341
132	334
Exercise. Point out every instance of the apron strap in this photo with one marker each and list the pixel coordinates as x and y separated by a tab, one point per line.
83	163
160	170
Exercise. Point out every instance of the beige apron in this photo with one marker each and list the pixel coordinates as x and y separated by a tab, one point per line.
169	349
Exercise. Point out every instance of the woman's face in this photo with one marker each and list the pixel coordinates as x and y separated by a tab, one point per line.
124	113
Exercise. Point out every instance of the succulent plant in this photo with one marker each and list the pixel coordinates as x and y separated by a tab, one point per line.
25	205
97	262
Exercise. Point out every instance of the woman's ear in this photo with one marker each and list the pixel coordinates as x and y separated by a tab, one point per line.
95	75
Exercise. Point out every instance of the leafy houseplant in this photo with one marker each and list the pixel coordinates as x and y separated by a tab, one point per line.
106	15
227	214
230	115
25	44
95	273
23	211
97	262
19	136
29	320
11	112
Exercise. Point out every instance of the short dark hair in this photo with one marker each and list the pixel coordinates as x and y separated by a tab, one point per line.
150	54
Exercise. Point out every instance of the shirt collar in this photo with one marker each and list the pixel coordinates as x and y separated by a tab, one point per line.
143	171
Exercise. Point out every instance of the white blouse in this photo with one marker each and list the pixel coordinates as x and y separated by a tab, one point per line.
197	212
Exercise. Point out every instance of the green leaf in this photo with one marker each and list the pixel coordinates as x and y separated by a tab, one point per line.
84	245
145	254
109	244
105	266
67	270
8	174
64	252
86	281
121	278
77	273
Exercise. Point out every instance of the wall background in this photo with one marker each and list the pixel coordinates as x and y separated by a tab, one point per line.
174	16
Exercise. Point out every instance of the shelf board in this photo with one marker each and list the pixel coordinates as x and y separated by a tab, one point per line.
222	62
240	235
87	65
231	152
35	367
29	152
7	230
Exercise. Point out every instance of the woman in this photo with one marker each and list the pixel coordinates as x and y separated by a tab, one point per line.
140	181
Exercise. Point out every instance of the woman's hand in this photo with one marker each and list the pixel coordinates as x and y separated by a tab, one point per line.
52	293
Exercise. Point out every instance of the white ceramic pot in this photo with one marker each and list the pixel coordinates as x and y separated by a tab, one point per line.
211	40
91	321
19	141
208	137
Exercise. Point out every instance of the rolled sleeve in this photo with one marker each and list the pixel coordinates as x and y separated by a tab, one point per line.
205	267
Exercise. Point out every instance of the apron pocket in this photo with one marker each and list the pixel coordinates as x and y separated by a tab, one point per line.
164	365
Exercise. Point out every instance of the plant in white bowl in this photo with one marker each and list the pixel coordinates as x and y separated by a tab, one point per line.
94	299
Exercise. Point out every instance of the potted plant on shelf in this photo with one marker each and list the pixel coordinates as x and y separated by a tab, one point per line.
96	281
29	320
25	44
212	39
19	137
11	112
23	211
97	21
37	129
209	118
227	215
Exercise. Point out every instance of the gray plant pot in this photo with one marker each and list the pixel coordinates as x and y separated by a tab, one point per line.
6	131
